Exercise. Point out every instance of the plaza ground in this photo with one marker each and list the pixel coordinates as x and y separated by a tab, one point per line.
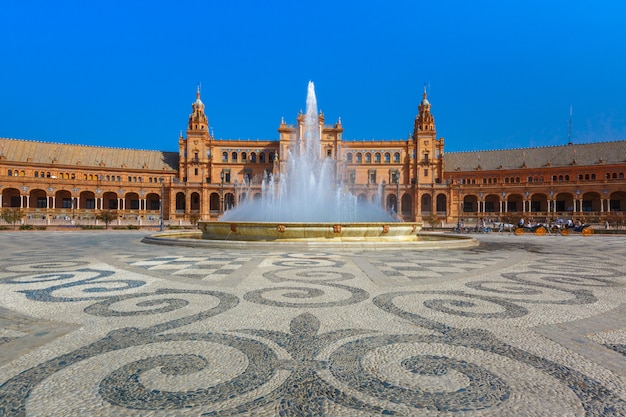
100	324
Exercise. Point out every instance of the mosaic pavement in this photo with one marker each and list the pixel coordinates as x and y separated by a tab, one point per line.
99	324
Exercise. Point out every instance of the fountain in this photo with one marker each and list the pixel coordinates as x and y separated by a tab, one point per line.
307	207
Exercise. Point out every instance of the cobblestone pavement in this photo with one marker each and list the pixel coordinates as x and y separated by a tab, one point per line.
100	324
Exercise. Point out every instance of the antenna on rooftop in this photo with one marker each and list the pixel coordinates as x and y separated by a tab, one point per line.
569	132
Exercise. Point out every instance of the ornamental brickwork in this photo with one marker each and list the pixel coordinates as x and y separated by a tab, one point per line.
59	183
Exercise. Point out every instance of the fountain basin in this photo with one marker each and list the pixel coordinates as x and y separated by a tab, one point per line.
297	232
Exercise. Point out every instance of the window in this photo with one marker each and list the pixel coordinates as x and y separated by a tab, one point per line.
352	176
349	157
195	171
377	158
66	203
387	157
394	177
425	172
262	157
368	158
372	176
396	157
134	204
359	158
90	203
42	202
234	156
224	156
272	157
244	157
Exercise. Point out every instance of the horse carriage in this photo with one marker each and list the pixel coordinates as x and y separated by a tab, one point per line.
541	229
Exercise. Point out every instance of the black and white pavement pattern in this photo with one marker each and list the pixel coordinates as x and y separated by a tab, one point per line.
100	324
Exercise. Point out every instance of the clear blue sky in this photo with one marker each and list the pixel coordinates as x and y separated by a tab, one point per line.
500	74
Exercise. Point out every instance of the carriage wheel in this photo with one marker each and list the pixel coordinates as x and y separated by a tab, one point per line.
540	231
565	232
587	231
519	231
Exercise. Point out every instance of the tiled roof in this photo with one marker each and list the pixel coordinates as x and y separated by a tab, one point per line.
540	157
87	156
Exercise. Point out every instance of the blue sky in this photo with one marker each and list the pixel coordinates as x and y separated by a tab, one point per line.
499	74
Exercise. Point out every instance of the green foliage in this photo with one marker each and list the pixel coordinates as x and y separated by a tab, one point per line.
107	216
13	216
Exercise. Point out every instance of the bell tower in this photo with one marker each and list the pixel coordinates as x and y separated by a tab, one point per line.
195	150
428	149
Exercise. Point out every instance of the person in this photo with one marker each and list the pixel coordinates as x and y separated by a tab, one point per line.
521	222
606	225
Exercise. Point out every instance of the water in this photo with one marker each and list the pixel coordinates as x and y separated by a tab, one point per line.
309	190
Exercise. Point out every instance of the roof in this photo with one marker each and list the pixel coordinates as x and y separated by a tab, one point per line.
19	150
605	153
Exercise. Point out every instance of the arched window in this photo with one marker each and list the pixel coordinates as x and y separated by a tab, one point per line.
387	157
368	158
262	157
252	157
233	156
359	158
377	157
10	173
349	157
224	156
244	157
272	157
396	157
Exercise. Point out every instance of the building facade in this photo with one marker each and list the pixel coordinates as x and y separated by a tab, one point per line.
55	183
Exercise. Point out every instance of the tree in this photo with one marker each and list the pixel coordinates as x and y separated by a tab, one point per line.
13	216
107	216
193	218
433	220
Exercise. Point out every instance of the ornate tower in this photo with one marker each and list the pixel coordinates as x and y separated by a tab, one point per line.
195	151
428	149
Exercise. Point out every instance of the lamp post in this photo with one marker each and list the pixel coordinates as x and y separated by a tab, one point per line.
161	224
222	192
458	221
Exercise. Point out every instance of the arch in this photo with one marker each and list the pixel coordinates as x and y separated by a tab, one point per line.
617	201
257	197
359	158
244	157
407	204
87	200
153	202
441	203
592	201
564	202
361	198
514	203
349	157
195	201
229	201
391	204
224	156
470	204
396	157
253	157
491	203
426	203
11	197
262	157
387	157
214	202
538	203
234	157
368	158
181	204
63	199
377	157
38	199
110	201
131	201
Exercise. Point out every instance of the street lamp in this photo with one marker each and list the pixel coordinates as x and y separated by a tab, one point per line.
222	192
161	224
